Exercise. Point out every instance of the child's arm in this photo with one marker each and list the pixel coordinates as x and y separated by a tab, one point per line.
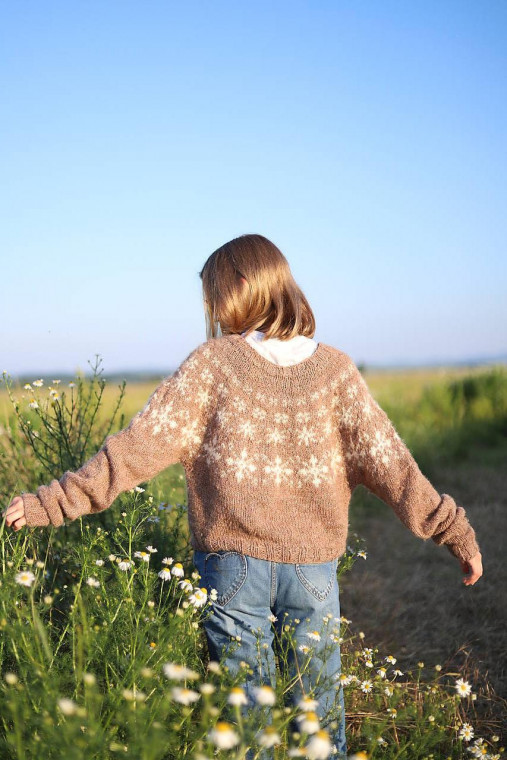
169	425
377	457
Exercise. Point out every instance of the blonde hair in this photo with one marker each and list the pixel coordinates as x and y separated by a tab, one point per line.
272	303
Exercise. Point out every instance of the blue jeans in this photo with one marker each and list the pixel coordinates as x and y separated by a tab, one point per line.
249	591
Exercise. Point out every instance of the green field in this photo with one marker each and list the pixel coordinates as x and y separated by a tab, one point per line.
82	662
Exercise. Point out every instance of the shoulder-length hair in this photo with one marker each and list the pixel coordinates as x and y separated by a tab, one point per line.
269	301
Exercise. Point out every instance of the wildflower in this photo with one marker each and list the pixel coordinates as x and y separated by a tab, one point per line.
264	695
361	634
431	718
214	666
151	549
38	383
359	756
142	555
381	741
307	704
139	489
362	554
304	648
382	672
72	384
165	574
125	564
368	663
33	404
152	645
343	679
273	618
133	696
390	659
308	722
11	678
315	635
388	691
47	599
27	387
91	581
183	695
420	664
393	711
366	686
466	732
57	382
112	557
345	620
397	672
463	687
99	562
67	706
237	696
178	570
25	578
223	735
89	679
178	672
207	688
319	747
185	585
268	737
167	561
438	667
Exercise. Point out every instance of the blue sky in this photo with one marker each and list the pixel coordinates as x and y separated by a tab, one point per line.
366	139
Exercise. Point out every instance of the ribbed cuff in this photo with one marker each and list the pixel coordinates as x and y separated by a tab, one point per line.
35	514
465	547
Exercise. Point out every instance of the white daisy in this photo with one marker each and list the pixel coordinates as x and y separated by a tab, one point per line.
25	578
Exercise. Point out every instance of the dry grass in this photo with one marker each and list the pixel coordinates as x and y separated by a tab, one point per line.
409	599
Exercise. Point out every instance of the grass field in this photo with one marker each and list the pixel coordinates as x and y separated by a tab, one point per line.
84	664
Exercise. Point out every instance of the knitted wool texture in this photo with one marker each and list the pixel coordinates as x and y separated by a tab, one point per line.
271	454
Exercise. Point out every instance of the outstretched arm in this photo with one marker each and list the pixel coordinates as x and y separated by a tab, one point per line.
167	429
377	457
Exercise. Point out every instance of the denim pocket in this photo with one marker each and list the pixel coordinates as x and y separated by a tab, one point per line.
318	578
222	570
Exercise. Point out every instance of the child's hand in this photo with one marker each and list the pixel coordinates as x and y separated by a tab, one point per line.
473	567
15	513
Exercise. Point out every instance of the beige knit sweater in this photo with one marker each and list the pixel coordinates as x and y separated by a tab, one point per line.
271	454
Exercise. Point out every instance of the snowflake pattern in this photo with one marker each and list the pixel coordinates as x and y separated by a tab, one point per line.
209	413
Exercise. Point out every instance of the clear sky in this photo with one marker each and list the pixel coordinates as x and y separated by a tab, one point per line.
367	140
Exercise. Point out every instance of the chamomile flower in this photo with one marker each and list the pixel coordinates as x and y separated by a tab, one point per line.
167	561
237	696
366	686
183	695
67	706
25	578
308	722
91	581
99	562
145	556
125	564
314	635
319	747
223	735
185	585
268	737
307	704
165	574
264	695
177	570
178	672
462	687
199	597
390	659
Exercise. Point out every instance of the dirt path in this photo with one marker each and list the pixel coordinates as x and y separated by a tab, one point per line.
408	597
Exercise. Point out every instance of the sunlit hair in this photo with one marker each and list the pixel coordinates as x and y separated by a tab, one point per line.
269	301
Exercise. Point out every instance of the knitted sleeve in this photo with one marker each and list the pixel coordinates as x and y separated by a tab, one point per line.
376	457
167	429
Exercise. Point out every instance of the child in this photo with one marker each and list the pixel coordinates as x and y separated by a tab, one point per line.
274	431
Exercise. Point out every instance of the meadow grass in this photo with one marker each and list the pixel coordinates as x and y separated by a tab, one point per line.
102	650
